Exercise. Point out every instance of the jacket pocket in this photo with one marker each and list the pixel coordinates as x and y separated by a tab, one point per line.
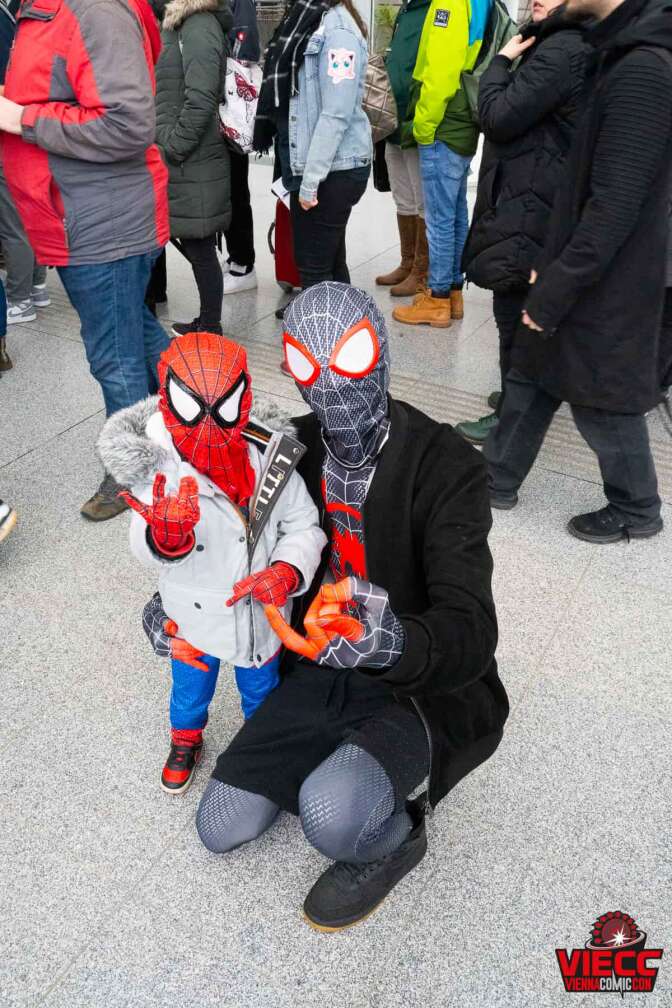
39	10
312	56
202	616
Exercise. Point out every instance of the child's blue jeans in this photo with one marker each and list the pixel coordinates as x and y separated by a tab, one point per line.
193	689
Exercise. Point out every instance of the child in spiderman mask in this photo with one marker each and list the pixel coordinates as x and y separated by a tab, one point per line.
223	517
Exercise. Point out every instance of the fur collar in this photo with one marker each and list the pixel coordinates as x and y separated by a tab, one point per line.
177	11
134	444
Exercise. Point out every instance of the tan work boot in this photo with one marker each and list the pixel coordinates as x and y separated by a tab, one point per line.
407	228
456	304
417	278
425	310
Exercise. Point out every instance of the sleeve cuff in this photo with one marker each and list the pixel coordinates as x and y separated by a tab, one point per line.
307	194
170	556
28	120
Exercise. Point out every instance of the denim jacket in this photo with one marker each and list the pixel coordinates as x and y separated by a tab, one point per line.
328	129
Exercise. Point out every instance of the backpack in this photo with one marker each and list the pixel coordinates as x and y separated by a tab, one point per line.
499	30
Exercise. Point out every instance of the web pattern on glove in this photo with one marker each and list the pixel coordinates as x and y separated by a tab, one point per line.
347	807
153	623
228	816
351	411
384	637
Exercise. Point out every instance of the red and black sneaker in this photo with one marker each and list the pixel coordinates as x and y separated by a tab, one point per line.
183	758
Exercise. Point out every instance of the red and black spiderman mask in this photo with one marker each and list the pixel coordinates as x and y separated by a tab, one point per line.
336	349
205	397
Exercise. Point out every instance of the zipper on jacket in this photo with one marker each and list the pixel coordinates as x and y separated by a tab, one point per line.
429	808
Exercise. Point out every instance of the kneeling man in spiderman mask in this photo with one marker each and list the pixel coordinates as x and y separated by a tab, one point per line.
389	677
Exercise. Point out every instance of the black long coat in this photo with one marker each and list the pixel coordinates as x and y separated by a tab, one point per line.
600	293
527	116
427	518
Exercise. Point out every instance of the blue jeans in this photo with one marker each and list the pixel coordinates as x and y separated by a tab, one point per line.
122	339
193	689
444	184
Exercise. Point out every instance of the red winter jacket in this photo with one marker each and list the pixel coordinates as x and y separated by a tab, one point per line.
87	179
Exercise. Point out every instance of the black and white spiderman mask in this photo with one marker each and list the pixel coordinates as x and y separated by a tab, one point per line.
336	348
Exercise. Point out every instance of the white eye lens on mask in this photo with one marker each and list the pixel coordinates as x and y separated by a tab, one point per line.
228	408
301	363
185	406
357	351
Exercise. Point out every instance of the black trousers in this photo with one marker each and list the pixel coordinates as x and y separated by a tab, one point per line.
202	254
507	308
620	441
319	234
240	234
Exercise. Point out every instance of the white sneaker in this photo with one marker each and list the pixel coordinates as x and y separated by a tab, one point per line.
234	282
22	311
7	519
40	296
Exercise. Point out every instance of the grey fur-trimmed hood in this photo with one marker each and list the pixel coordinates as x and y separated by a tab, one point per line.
177	11
131	456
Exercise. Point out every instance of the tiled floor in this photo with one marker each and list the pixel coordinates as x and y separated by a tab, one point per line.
107	898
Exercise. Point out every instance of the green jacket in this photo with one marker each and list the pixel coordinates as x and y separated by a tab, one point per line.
450	43
403	53
189	87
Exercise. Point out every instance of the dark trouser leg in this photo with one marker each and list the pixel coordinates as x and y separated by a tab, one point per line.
507	309
156	288
319	234
621	443
513	445
341	271
19	256
240	234
228	816
202	253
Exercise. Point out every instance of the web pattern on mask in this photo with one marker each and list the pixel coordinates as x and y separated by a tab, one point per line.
210	365
350	410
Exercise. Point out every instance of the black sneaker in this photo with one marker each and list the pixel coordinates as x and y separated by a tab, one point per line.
179	768
106	502
607	526
346	893
181	328
502	501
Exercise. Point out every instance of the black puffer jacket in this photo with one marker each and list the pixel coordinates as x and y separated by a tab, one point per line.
189	85
527	118
601	288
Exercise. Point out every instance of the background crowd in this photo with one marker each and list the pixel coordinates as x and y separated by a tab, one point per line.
109	152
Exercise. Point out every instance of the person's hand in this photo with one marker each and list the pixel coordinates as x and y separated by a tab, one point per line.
530	323
373	636
516	46
182	651
307	204
271	586
10	115
171	519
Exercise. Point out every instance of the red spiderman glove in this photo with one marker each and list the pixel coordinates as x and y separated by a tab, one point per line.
181	649
170	519
272	586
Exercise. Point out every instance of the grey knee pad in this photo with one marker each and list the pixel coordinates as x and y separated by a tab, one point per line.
228	817
347	807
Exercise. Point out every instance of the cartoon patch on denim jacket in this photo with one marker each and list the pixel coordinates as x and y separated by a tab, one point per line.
341	65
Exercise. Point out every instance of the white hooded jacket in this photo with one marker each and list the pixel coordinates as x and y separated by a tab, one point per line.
283	525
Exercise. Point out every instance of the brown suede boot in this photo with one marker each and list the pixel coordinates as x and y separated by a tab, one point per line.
5	361
407	229
417	278
425	310
106	502
456	304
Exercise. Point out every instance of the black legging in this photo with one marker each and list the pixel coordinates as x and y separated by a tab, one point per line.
507	309
202	254
319	234
348	806
240	233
